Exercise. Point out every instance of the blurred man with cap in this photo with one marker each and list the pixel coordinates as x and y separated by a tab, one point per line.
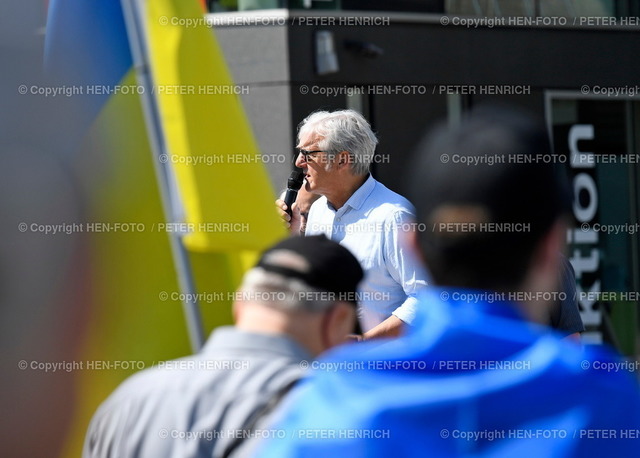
296	303
477	375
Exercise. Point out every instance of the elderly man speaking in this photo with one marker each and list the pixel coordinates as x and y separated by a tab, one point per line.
335	151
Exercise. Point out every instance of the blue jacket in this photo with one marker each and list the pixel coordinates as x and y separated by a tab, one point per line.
472	377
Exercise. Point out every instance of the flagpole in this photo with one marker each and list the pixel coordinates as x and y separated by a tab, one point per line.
169	193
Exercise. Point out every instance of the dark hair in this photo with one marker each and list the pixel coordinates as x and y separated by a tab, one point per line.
488	191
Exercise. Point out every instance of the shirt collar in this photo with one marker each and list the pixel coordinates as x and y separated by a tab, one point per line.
495	304
460	305
231	338
358	198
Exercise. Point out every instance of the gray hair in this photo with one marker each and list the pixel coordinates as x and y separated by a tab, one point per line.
344	130
284	293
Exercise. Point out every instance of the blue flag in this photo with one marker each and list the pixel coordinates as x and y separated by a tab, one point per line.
86	48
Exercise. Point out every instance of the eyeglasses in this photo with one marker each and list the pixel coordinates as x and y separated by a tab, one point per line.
306	153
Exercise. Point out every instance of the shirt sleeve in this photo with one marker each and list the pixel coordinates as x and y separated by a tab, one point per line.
403	263
565	315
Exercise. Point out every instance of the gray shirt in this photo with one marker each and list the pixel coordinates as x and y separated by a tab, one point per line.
195	406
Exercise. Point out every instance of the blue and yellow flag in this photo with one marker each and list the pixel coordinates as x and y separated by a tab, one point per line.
135	301
223	184
225	188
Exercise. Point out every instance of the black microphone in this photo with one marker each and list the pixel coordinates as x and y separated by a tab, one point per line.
293	185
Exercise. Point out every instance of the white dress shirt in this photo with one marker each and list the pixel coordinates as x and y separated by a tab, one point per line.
372	224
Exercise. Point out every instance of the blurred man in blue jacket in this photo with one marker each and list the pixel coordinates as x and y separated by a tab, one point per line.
477	375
